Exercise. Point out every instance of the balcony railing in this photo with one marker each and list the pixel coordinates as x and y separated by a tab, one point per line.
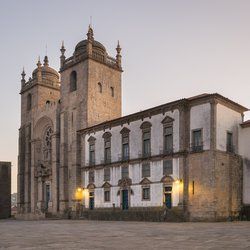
196	148
166	151
144	155
106	161
123	157
230	149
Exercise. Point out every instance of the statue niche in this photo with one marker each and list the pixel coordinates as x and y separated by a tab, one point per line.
47	145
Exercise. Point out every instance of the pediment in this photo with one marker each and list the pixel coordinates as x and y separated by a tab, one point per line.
125	131
91	139
145	181
124	182
145	125
167	179
107	135
91	186
106	185
167	119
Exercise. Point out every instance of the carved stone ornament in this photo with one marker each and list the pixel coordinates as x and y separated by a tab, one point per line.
106	185
125	182
145	181
167	179
91	186
167	119
43	170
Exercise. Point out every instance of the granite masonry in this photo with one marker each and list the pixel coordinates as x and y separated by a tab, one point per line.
79	157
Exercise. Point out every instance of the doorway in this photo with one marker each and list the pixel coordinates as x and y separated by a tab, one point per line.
91	200
47	196
168	196
125	199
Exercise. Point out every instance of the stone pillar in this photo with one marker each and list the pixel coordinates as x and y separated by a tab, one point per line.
33	188
40	194
21	168
213	122
63	169
184	133
27	169
55	172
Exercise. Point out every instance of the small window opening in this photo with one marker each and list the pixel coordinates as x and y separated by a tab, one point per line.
112	91
100	87
73	81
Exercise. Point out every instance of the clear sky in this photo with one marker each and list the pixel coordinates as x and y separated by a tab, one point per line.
171	49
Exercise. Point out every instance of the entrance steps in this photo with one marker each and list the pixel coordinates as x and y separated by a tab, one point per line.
132	214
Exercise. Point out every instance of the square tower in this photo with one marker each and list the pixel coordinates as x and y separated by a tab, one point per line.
90	94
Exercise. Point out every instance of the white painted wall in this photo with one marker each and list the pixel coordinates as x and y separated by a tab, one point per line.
135	138
227	120
200	119
135	173
244	151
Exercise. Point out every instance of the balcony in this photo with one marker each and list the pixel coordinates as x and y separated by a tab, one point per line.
123	157
230	149
106	161
196	148
169	151
144	155
91	163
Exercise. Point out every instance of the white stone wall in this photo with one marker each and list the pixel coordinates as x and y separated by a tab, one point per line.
135	138
200	119
227	121
244	151
135	173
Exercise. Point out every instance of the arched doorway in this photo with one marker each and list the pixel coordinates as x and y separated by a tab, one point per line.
167	191
125	191
91	188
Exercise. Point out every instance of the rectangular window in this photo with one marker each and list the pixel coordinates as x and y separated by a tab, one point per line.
146	169
125	147
106	195
91	154
106	174
197	141
146	144
125	173
229	142
107	151
167	167
168	139
91	176
145	193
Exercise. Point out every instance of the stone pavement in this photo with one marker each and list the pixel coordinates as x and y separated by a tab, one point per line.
70	234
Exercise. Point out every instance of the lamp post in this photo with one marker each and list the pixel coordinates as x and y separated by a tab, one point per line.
78	198
80	195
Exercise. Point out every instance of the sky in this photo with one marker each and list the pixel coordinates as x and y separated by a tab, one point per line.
170	50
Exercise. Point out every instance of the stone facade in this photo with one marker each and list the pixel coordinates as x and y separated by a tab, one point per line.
180	160
5	190
206	178
53	109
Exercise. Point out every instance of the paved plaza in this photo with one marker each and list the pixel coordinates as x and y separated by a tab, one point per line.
69	234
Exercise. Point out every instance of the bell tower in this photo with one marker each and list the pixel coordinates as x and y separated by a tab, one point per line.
90	94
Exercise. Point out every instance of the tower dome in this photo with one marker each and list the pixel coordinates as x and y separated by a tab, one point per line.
81	47
47	72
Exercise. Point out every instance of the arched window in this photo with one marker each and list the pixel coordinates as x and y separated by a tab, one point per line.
107	147
112	91
146	139
29	102
100	87
73	81
125	143
47	144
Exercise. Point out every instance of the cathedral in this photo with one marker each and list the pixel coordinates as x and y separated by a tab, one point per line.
189	157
